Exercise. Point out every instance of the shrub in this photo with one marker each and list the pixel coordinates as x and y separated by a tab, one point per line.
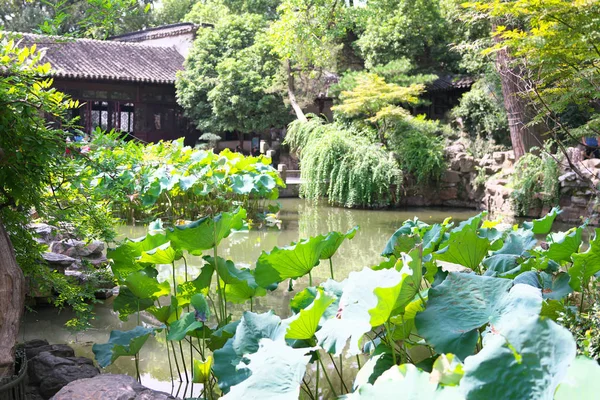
535	181
482	114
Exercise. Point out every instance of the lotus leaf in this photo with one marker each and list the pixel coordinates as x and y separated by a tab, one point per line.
381	360
526	359
229	360
464	247
274	372
447	370
292	261
333	242
552	287
164	254
201	372
463	303
405	230
586	264
240	284
542	226
304	324
206	232
144	286
564	244
582	381
127	343
126	303
408	380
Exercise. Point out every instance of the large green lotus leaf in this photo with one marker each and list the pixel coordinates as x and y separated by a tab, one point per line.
553	287
526	359
582	381
432	238
303	299
201	306
126	303
230	359
201	284
464	247
144	286
463	303
404	323
304	324
185	324
164	254
274	371
564	244
206	232
407	381
164	314
411	265
353	318
121	343
291	261
125	256
240	284
392	246
586	264
333	242
517	242
543	226
219	337
242	184
502	265
380	361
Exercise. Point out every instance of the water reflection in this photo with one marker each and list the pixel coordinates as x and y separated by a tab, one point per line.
299	220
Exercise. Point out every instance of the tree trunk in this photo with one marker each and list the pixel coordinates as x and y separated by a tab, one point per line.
292	93
522	137
12	300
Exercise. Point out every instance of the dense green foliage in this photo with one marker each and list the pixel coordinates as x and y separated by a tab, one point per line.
535	181
450	308
227	83
341	164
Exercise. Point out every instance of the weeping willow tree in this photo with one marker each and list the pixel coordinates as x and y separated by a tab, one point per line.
340	164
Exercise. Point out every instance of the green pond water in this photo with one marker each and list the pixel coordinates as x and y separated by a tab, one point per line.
299	220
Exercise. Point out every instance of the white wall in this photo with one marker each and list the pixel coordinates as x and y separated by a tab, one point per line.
182	43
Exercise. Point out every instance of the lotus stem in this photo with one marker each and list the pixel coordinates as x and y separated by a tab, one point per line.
326	376
317	380
137	367
390	342
169	357
176	362
331	267
251	304
310	278
219	295
184	366
339	372
358	360
174	281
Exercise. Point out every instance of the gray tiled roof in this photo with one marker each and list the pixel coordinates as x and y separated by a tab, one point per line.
106	60
449	82
158	32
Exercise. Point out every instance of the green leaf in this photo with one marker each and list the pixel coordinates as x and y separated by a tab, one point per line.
380	361
274	371
304	324
464	247
240	284
552	287
164	254
207	232
586	264
333	242
146	287
405	321
126	303
353	318
185	324
202	370
463	303
564	244
292	261
447	370
582	381
531	355
121	343
201	284
201	306
399	242
250	330
543	226
411	382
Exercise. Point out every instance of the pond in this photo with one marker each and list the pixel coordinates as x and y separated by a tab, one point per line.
299	220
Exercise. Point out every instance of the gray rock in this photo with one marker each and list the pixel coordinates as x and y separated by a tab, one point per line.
103	294
45	232
51	373
58	350
109	387
451	177
58	260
